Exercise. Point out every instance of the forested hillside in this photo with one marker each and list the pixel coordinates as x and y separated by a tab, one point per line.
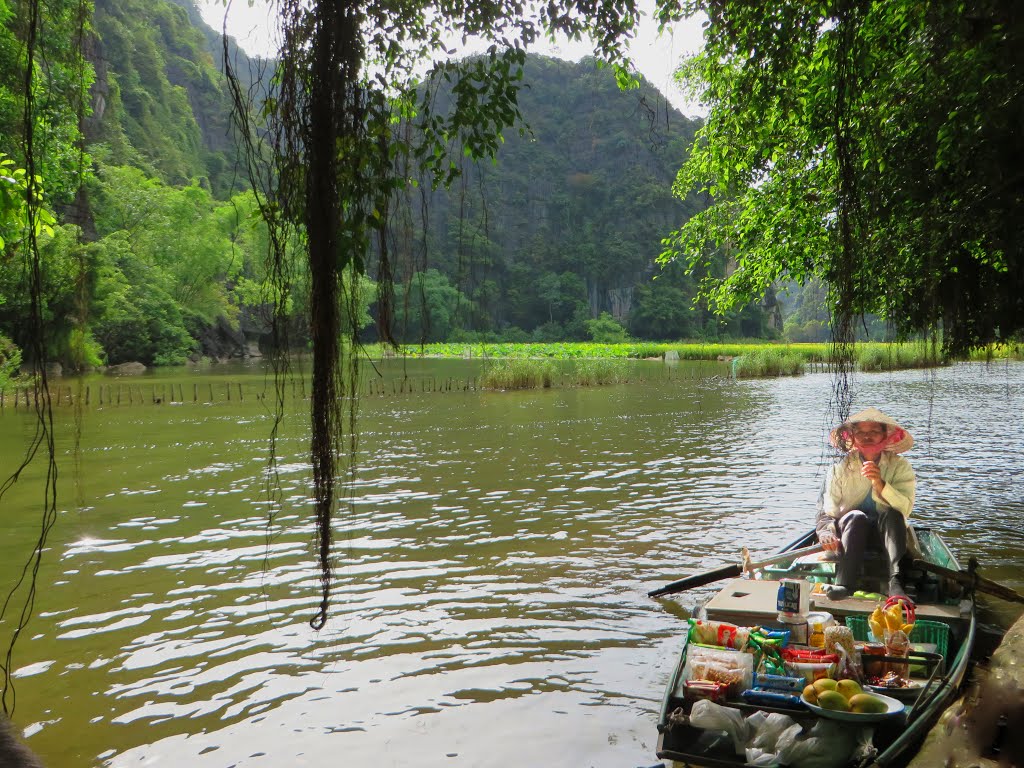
156	253
568	223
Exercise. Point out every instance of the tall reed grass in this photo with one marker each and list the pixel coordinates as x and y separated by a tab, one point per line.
587	373
518	373
898	357
764	363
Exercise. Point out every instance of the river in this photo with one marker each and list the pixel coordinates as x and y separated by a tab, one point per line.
490	600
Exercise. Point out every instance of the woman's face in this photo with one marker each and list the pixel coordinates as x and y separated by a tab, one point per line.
869	434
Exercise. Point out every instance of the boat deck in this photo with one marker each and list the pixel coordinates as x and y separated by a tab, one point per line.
752	602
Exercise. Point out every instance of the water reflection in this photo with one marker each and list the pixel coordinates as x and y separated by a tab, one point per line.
491	571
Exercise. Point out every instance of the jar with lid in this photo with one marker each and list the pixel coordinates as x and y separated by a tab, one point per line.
816	638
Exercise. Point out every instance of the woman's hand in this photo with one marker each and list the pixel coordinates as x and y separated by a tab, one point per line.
829	541
870	470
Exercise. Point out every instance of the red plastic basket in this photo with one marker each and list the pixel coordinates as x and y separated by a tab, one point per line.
908	608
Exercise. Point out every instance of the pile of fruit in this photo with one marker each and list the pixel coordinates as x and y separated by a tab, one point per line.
843	696
884	621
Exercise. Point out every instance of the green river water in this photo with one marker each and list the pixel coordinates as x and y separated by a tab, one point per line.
490	603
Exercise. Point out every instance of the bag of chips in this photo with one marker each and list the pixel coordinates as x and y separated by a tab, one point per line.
718	633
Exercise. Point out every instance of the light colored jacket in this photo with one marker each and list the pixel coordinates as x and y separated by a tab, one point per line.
845	488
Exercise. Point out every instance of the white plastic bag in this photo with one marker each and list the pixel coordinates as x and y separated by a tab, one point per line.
787	741
755	722
828	745
761	759
714	717
766	734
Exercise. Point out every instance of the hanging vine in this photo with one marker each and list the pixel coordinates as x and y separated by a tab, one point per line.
345	126
846	266
20	600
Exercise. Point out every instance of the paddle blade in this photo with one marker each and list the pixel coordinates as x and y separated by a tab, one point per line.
698	580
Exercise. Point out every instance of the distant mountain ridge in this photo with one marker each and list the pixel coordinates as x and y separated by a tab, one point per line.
587	193
580	205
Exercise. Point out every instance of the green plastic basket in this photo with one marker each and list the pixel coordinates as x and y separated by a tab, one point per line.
924	632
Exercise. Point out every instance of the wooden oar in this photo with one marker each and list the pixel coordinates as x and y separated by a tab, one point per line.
973	580
730	571
782	557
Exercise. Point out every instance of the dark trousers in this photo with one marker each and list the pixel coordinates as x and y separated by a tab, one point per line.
855	529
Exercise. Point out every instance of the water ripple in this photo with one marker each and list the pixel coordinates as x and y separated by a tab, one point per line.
491	565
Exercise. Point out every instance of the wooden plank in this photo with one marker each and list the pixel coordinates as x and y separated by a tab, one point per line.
855	606
748	602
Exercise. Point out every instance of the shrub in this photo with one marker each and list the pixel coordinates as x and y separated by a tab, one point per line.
606	330
10	360
549	333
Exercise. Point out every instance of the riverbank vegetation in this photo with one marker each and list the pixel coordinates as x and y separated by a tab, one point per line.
872	356
536	373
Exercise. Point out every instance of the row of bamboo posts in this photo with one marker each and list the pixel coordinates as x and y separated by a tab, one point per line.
120	394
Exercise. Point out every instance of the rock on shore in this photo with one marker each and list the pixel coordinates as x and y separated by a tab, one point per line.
985	728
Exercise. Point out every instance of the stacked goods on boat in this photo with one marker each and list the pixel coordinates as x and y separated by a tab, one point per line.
785	703
891	629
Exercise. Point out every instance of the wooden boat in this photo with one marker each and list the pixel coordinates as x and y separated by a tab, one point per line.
748	602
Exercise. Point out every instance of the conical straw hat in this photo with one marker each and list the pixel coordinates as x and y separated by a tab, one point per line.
897	438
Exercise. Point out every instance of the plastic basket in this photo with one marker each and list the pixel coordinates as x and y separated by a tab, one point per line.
924	632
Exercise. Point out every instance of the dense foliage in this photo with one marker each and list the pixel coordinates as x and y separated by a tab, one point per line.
871	144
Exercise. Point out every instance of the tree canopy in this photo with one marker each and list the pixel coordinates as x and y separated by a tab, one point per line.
871	144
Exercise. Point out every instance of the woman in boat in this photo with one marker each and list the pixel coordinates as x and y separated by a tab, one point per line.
869	492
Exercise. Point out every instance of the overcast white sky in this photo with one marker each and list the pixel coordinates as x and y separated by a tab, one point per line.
655	56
